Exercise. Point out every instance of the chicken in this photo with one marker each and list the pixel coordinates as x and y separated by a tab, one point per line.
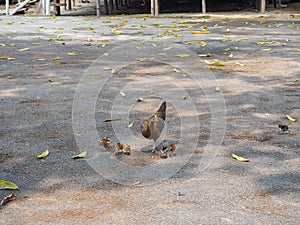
153	127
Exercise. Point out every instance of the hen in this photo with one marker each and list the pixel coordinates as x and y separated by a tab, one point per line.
153	127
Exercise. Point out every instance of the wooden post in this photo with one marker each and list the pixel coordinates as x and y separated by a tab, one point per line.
203	6
47	7
105	7
57	8
262	6
7	7
98	7
154	8
69	5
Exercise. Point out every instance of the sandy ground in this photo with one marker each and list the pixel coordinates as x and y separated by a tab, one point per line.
259	85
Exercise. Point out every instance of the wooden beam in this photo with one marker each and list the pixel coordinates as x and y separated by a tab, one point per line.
19	7
203	6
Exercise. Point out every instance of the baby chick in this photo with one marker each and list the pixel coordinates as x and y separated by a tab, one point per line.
126	149
164	153
283	128
105	142
172	149
119	148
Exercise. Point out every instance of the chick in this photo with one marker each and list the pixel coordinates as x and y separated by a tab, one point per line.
172	149
153	127
119	148
126	149
105	142
164	152
283	128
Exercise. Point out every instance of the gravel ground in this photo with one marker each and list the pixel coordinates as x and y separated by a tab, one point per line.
258	86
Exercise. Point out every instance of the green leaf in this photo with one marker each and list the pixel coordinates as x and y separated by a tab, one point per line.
239	158
80	155
219	64
4	184
43	155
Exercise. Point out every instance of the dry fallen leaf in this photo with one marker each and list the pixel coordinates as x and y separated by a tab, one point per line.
122	93
80	155
8	198
112	119
182	55
290	118
239	158
4	184
43	155
205	55
7	57
200	32
73	53
23	49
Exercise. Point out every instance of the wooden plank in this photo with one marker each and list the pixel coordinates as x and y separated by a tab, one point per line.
19	7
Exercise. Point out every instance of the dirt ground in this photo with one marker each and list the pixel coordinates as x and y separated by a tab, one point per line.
46	60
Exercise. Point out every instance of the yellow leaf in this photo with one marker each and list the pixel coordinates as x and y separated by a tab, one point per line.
239	158
266	49
217	89
202	43
23	49
40	59
2	45
35	44
212	67
59	39
124	21
90	28
4	184
144	59
239	64
56	58
81	155
200	32
231	55
261	43
182	55
130	125
290	118
298	49
73	53
43	155
296	80
7	57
